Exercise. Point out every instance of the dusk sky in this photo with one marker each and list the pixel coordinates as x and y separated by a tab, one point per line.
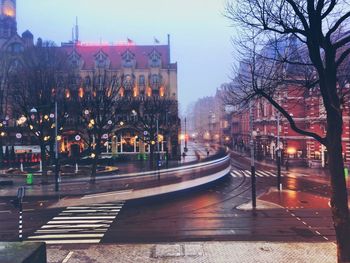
200	35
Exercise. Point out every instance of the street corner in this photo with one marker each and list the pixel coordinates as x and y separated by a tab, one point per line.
295	199
260	205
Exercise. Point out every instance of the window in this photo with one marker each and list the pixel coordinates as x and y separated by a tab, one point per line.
128	59
128	82
154	59
101	60
142	81
15	48
155	81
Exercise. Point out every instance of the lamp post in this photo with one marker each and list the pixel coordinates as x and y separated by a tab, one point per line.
279	184
185	149
34	111
252	166
56	151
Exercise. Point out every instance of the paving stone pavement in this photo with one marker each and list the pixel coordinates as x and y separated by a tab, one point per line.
206	252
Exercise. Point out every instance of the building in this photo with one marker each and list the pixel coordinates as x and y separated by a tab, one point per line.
141	71
309	114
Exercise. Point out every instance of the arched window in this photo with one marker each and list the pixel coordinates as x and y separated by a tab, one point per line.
155	81
128	82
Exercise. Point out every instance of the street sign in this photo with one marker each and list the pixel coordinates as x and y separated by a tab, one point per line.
145	133
21	192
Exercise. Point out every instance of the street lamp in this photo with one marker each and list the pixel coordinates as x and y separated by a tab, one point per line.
252	133
35	111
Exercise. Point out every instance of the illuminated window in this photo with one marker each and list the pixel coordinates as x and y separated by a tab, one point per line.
135	92
149	92
121	92
161	91
9	8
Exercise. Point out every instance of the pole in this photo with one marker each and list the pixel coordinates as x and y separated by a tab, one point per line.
185	133
56	151
20	223
252	166
279	184
158	149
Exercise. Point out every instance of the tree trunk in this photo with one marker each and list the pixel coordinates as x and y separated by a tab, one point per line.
151	157
339	198
44	179
96	151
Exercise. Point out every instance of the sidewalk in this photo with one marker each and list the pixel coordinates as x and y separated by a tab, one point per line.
211	252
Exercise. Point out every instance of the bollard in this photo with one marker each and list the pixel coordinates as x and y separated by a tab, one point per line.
29	180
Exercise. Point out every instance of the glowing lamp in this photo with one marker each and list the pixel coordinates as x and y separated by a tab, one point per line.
291	150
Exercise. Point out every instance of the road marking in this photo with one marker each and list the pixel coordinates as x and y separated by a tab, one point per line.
83	217
74	226
68	257
259	173
81	230
5	211
83	224
78	221
109	194
66	236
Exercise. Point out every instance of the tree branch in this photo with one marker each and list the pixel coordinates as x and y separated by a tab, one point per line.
291	120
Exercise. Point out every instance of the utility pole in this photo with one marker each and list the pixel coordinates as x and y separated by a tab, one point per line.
252	166
279	184
158	161
56	151
185	149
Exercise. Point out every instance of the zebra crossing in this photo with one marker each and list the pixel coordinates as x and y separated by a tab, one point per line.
247	173
78	224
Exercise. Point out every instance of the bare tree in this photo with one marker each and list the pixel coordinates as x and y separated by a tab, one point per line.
99	105
34	88
321	26
153	116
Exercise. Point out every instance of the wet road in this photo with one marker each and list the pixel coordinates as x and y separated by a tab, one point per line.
213	213
209	213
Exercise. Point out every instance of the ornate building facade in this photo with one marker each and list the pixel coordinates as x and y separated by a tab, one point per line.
141	72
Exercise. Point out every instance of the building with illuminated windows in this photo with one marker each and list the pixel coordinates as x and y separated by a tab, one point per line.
141	71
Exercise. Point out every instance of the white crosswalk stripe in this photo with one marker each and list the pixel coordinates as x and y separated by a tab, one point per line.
247	173
78	224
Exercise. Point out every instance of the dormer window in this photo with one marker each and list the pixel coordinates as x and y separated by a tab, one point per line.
128	59
75	60
101	60
15	48
154	59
